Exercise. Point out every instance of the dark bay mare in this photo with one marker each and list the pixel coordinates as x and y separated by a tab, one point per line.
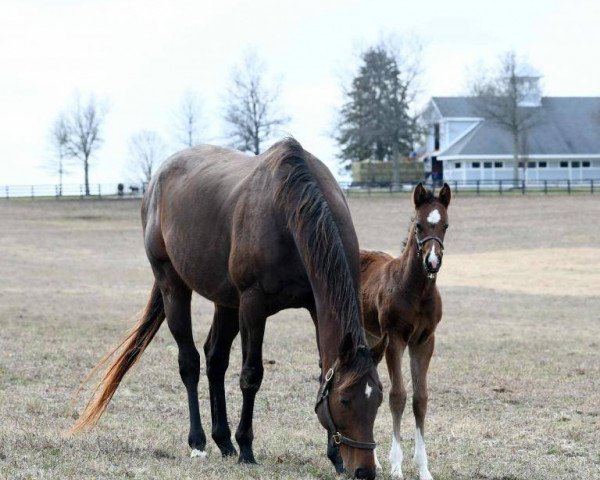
255	235
400	298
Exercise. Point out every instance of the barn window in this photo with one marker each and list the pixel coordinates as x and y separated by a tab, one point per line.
564	164
487	164
457	165
476	165
585	164
530	164
542	164
498	165
575	164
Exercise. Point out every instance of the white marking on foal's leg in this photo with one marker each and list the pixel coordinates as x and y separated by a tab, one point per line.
368	390
396	457
377	464
198	454
433	258
434	217
420	456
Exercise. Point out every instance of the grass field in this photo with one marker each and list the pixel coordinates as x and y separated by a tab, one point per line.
514	383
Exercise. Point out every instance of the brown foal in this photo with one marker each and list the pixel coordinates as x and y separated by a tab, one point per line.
400	298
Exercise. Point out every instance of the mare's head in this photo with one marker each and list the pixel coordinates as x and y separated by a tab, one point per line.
348	401
431	222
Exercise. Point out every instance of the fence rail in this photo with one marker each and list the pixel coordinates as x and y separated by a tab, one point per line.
96	190
482	187
476	187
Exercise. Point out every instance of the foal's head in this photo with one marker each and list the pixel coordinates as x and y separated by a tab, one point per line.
349	398
431	222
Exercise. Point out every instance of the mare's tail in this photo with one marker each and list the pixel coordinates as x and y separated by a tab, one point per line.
130	350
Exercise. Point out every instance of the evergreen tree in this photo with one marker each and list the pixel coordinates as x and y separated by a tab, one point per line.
375	122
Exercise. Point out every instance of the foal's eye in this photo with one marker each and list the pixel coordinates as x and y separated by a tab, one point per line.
345	401
419	227
446	227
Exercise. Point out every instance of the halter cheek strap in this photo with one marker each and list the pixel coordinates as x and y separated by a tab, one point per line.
323	399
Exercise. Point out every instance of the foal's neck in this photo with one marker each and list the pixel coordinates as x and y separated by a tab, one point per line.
415	274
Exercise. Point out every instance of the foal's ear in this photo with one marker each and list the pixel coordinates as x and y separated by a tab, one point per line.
445	195
347	349
419	195
379	349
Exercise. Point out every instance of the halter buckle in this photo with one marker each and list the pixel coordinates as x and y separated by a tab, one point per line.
337	438
329	375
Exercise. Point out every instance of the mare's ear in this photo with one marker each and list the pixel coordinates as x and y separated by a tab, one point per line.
347	349
419	195
445	195
379	349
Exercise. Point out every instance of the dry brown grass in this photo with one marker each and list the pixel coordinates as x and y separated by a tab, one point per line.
514	384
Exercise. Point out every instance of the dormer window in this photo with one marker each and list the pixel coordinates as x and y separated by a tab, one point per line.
436	136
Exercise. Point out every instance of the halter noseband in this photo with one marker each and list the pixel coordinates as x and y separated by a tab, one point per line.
323	398
421	242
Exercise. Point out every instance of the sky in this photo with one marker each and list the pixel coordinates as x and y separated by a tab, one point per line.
139	57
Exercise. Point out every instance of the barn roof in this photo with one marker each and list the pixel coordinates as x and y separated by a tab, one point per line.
567	125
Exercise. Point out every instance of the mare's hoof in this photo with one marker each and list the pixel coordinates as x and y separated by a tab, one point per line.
227	449
247	458
201	454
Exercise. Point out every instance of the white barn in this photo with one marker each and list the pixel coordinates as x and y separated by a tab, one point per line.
564	145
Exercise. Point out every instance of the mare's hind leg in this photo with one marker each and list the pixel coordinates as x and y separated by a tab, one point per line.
177	298
393	357
420	355
252	320
217	348
333	452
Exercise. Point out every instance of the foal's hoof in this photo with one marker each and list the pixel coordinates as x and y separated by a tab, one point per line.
201	454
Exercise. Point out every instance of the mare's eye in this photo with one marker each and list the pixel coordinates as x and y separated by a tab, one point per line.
446	227
419	227
345	401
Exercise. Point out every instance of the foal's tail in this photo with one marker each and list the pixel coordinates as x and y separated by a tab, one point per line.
130	350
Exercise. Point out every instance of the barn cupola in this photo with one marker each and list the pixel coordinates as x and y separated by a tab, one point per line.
530	93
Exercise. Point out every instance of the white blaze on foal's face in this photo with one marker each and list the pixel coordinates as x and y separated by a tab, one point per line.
434	217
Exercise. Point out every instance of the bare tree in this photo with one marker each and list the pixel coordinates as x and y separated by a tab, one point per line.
59	138
504	98
83	124
251	108
147	150
188	124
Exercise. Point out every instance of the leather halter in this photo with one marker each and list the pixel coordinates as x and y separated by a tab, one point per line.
323	399
421	242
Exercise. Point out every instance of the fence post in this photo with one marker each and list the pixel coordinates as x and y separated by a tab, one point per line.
32	191
99	191
592	186
80	191
500	186
455	186
7	195
545	187
522	187
477	187
569	186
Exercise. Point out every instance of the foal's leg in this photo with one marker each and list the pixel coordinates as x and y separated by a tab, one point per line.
177	298
420	355
252	320
217	348
393	358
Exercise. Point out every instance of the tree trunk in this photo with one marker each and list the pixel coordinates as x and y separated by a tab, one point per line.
395	168
515	159
86	167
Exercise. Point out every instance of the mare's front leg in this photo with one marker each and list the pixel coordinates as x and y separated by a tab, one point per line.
393	358
252	319
217	349
420	355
